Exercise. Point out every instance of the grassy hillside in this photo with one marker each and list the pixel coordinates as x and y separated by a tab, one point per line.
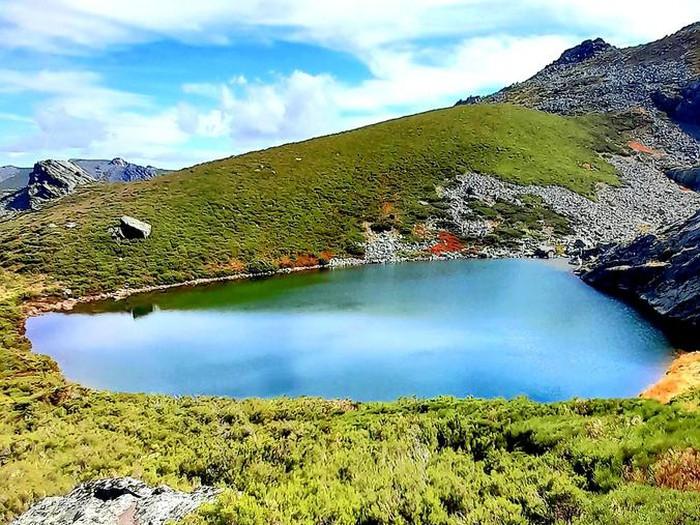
256	210
313	461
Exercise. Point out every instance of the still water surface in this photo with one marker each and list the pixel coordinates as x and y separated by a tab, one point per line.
479	328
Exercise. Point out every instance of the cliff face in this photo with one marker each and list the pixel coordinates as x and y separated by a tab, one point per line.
49	180
661	273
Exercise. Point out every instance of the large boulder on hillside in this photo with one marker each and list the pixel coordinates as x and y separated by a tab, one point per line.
688	177
118	501
660	273
682	105
131	228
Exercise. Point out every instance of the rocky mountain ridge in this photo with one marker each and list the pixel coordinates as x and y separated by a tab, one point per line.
51	179
13	178
659	79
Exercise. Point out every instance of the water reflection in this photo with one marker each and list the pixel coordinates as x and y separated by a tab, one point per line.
482	328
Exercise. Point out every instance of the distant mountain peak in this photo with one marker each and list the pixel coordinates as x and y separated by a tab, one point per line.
582	52
29	188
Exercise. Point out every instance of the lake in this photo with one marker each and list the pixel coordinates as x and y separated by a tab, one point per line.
484	328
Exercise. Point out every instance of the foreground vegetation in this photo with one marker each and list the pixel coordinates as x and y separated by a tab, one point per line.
315	461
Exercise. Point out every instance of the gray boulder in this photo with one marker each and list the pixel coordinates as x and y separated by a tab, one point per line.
118	501
545	251
131	228
660	273
688	177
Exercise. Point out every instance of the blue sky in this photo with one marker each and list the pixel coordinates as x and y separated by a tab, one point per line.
173	83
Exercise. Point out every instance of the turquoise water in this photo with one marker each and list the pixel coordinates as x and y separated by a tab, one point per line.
461	328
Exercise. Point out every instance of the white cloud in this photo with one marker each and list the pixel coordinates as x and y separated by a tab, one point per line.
420	54
353	25
81	117
256	114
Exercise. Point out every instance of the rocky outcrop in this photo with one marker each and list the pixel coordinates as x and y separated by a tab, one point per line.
13	179
661	273
130	228
597	77
119	501
52	179
585	50
688	177
682	104
49	180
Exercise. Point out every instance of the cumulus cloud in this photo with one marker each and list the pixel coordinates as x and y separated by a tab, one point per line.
349	24
420	54
300	105
79	115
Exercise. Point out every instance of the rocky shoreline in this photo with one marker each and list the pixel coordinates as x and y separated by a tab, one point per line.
660	273
645	202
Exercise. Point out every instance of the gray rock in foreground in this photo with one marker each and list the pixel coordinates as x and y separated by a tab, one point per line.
661	273
119	501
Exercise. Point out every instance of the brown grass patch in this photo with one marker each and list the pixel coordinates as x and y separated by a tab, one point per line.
678	469
683	375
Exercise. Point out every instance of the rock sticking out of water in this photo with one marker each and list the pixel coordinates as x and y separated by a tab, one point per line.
117	501
660	272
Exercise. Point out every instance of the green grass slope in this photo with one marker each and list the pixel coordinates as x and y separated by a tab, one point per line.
252	210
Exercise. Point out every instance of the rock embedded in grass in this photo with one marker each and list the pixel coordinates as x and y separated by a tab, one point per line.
131	228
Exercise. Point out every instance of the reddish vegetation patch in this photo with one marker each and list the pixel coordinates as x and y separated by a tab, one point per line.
302	261
678	469
231	266
285	262
641	148
305	260
325	256
447	243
